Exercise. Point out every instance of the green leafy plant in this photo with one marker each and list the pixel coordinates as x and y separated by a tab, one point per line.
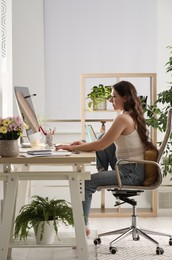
41	209
157	117
98	94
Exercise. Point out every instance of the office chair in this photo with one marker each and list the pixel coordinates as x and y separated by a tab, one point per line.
123	193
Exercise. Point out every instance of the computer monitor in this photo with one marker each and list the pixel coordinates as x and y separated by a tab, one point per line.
26	108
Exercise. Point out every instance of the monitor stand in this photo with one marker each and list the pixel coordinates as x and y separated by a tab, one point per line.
24	142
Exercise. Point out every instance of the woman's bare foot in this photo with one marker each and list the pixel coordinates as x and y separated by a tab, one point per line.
87	231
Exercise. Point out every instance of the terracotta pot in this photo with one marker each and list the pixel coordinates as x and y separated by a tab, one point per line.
9	148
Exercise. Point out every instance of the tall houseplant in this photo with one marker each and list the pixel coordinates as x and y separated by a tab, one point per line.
41	210
157	116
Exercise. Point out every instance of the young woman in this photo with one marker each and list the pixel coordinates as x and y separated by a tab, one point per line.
127	138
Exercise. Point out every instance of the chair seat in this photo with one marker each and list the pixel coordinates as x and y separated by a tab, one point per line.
127	193
126	187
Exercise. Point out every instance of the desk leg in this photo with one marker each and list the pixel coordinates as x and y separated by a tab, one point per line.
7	219
22	190
81	241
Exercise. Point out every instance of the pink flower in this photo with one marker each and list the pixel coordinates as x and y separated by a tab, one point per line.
11	128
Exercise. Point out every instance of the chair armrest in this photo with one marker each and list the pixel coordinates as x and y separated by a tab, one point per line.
122	161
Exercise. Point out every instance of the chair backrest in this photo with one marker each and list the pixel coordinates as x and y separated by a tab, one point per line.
167	134
152	176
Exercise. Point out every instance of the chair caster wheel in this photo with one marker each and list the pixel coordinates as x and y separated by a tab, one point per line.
113	250
170	242
136	238
97	241
159	251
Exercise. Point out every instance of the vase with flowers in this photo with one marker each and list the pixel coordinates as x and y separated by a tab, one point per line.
11	128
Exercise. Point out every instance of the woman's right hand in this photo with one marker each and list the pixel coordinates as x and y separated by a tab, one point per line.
68	147
77	143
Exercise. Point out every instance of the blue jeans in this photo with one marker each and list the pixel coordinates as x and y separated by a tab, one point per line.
131	174
106	157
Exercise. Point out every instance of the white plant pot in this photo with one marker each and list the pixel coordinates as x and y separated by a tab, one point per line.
48	235
100	106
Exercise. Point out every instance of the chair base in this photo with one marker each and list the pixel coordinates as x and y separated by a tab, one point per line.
136	232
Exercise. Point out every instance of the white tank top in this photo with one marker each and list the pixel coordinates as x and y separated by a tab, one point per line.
129	146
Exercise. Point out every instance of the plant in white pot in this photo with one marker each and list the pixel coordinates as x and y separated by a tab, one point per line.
98	97
40	213
11	128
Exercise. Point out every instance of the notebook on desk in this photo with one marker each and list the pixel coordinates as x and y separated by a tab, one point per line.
43	153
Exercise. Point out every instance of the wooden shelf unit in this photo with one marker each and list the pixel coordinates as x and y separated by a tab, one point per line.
150	80
116	77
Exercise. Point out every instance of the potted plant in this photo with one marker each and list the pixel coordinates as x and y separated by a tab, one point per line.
38	213
98	97
11	128
157	118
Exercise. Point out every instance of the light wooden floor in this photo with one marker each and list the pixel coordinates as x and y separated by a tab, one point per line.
161	223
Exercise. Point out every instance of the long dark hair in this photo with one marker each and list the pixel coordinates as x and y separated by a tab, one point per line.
134	107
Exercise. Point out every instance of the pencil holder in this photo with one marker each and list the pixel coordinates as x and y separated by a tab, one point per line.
49	140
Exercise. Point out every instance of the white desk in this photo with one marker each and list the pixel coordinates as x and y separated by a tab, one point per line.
75	178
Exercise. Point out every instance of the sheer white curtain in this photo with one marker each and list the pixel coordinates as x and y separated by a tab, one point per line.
6	85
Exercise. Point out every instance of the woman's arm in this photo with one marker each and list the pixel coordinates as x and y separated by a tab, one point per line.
117	127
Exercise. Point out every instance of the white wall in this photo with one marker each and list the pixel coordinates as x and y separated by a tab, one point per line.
94	36
85	37
28	49
164	39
